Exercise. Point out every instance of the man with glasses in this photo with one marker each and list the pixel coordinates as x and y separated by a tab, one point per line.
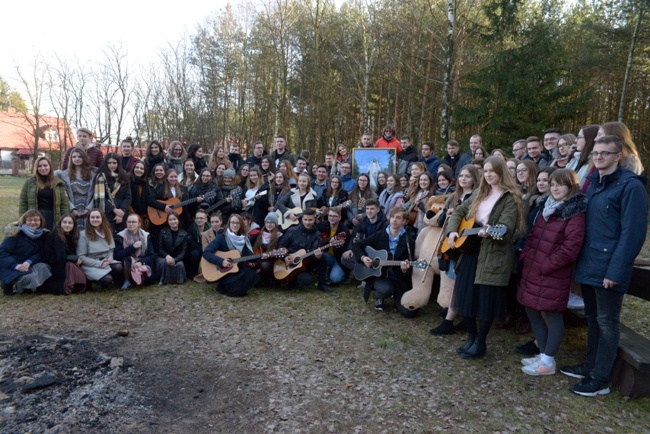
346	178
551	137
258	153
331	228
617	218
519	149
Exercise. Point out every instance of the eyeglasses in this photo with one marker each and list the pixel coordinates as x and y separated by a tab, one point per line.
132	223
235	223
522	170
580	137
603	154
563	145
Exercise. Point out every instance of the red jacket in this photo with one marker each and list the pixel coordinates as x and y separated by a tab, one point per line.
94	153
394	143
550	253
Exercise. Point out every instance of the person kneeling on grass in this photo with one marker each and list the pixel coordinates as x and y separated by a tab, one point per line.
394	281
134	247
172	246
233	238
21	253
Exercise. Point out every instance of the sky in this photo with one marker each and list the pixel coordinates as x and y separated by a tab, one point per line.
82	29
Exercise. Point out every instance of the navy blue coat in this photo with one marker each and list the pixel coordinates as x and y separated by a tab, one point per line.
617	218
432	164
16	249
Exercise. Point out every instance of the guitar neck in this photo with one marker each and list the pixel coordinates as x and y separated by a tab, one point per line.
247	258
472	231
215	206
388	263
185	202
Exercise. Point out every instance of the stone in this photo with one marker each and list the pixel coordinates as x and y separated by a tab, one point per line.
40	382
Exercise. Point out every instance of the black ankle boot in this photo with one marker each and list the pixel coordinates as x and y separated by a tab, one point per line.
7	289
477	350
446	327
105	281
468	344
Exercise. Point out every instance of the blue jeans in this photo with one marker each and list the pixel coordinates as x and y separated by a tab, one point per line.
603	313
337	275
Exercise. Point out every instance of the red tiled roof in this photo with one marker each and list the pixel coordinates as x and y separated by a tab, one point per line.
17	133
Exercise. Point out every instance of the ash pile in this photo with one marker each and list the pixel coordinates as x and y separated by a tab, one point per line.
60	384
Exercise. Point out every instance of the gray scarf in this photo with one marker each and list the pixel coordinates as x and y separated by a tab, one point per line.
550	206
31	233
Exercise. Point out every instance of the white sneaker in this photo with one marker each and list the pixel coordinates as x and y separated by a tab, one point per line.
575	302
538	368
531	360
362	286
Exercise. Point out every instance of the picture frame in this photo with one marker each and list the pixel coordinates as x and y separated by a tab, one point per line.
372	161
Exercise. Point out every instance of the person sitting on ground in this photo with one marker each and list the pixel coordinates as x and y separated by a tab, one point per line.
306	236
134	248
61	255
171	248
330	228
21	253
233	238
95	249
394	281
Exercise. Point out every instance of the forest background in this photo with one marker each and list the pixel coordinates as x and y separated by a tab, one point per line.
323	72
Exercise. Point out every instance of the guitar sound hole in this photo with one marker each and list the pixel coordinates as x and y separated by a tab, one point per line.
295	261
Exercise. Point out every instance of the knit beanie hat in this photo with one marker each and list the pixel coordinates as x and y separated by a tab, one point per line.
230	173
272	217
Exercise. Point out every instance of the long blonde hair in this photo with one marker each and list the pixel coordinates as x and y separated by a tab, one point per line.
507	183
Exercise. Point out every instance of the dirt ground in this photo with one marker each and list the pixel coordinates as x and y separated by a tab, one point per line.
276	361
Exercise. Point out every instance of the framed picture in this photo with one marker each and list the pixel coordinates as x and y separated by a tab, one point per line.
372	161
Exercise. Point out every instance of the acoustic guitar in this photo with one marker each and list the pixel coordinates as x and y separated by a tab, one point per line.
286	273
464	243
285	222
212	273
380	260
321	212
233	194
159	216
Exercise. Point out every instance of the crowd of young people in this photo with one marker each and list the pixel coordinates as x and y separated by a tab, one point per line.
111	220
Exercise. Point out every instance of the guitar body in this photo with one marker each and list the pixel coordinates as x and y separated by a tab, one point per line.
286	273
462	244
159	216
361	272
212	273
286	223
413	215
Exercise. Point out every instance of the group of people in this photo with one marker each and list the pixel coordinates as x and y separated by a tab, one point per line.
565	210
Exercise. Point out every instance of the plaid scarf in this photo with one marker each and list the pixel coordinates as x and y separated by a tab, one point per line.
100	197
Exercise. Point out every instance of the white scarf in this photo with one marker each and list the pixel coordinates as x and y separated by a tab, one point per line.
237	241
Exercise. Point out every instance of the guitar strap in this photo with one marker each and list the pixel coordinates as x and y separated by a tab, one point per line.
408	248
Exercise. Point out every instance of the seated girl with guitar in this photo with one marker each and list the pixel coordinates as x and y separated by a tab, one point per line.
394	282
267	240
334	194
302	198
358	197
233	238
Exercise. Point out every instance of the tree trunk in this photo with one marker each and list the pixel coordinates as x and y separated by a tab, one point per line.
445	134
628	69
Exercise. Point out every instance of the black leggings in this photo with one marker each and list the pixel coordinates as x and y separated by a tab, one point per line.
549	333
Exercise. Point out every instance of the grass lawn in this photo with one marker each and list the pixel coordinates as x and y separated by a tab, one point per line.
328	362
